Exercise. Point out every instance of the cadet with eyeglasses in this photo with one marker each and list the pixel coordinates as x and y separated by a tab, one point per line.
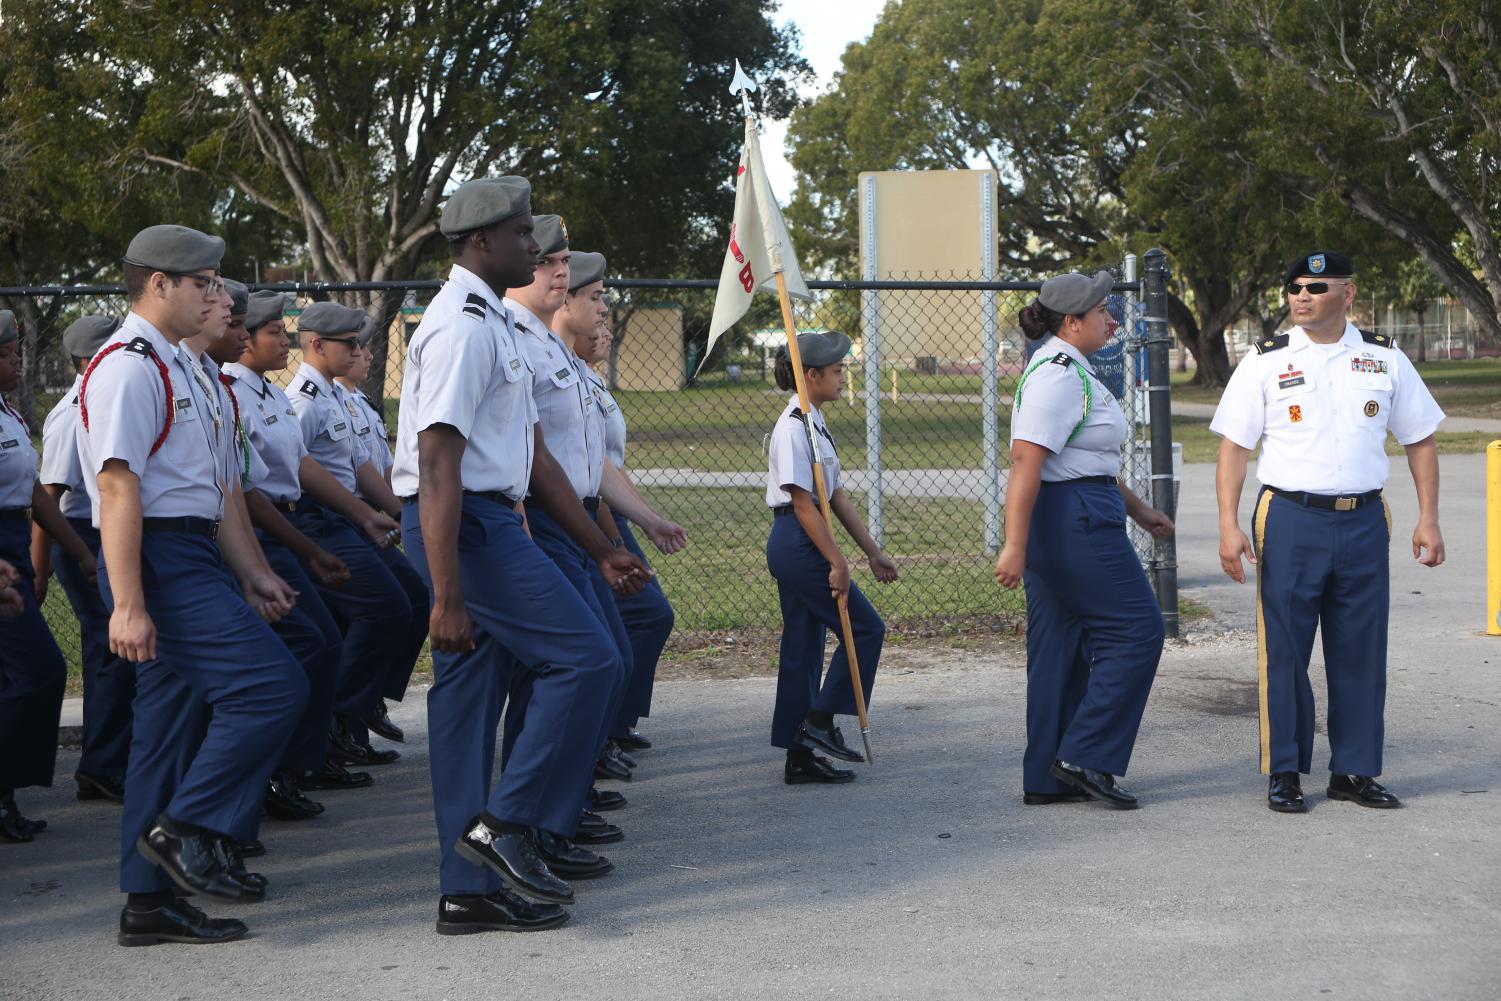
1320	399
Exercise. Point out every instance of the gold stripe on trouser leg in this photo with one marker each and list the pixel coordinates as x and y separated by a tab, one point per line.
1263	503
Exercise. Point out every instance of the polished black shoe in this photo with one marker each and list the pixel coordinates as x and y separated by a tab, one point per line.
100	787
596	830
249	849
631	740
178	921
194	863
1284	793
14	827
1097	786
619	754
234	864
568	860
379	723
334	776
347	749
285	801
826	739
805	769
608	767
605	800
503	911
1049	798
1362	789
513	854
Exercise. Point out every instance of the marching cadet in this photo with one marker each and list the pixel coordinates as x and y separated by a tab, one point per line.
32	670
1091	656
109	682
217	694
812	575
370	428
647	615
386	614
468	450
571	426
1321	399
309	629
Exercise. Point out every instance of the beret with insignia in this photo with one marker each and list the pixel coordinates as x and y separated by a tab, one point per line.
551	234
1320	264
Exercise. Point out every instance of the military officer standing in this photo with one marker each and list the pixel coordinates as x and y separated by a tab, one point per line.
1321	399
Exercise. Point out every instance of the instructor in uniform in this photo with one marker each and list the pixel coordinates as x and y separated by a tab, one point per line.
1323	397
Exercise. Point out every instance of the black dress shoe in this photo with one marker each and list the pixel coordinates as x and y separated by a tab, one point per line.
178	921
347	749
632	740
618	753
1362	789
334	776
249	849
14	827
1284	793
194	863
611	768
804	769
100	787
503	911
513	854
285	801
1049	798
605	800
596	830
234	864
826	739
379	723
1096	785
568	860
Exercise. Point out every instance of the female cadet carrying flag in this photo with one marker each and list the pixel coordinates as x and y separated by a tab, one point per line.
1094	631
812	575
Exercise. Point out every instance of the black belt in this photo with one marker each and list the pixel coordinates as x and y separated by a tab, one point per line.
289	507
192	526
591	504
490	495
15	514
777	512
1108	481
1324	502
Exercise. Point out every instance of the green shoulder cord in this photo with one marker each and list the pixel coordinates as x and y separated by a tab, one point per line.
1061	358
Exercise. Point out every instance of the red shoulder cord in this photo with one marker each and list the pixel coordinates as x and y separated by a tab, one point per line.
240	435
161	366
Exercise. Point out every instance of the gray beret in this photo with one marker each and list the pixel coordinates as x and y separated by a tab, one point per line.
174	248
483	202
239	292
329	319
263	307
87	334
8	331
585	268
1074	294
367	329
818	350
551	234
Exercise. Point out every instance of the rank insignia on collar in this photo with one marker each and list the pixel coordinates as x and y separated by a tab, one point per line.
1316	264
309	389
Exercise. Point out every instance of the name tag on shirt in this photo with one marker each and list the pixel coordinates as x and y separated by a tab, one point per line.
270	419
10	443
182	408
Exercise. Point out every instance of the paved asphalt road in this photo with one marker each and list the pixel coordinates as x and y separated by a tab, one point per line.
925	879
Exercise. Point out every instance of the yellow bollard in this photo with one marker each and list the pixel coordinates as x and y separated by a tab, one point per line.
1493	538
894	396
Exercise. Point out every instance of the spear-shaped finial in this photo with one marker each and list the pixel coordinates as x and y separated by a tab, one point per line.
743	85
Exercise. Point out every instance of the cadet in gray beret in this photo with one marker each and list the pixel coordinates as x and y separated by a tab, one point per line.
8	331
175	250
1075	294
239	297
329	319
263	307
87	334
551	234
584	268
483	202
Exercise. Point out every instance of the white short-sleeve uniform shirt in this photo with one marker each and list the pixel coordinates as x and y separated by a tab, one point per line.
566	407
789	458
1322	411
322	407
274	431
609	412
1056	390
18	470
60	463
466	369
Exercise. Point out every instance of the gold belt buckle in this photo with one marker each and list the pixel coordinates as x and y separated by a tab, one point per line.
1344	503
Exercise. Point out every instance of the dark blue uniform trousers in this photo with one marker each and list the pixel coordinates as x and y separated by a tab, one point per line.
648	620
311	634
528	620
808	612
1328	569
109	681
213	712
1094	634
394	685
372	607
599	597
32	675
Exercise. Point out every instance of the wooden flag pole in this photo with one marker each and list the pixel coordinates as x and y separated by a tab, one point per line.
795	356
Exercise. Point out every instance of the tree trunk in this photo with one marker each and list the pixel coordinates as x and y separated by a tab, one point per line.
1422	338
1209	351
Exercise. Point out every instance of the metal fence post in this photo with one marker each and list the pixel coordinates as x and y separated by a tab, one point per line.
875	513
1159	404
990	359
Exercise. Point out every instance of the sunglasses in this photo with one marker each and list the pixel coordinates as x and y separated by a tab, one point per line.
1312	288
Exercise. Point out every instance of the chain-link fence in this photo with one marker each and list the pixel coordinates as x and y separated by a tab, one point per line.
922	430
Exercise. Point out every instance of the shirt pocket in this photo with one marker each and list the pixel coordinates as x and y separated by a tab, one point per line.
337	430
512	366
1293	405
1370	400
564	377
184	408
